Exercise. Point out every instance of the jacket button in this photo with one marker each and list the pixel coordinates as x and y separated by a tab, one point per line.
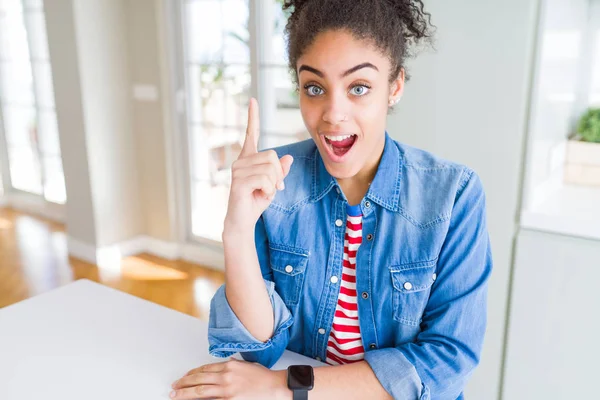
434	277
318	359
368	204
408	286
321	331
372	346
338	222
289	269
369	237
365	295
334	279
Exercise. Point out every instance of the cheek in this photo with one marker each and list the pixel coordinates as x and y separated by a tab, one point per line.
310	114
372	115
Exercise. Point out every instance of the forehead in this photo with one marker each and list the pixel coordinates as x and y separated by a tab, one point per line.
334	52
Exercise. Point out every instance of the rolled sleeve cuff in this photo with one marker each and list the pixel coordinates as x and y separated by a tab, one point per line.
226	333
396	374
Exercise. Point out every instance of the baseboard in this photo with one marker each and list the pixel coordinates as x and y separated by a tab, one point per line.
162	248
81	250
35	205
111	256
205	255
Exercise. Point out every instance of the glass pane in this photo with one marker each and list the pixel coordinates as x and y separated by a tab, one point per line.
36	24
195	93
54	185
204	31
5	39
14	36
199	154
212	96
16	82
7	4
209	206
282	121
214	150
20	126
25	169
274	52
218	78
594	96
48	134
237	82
236	36
43	84
34	4
218	94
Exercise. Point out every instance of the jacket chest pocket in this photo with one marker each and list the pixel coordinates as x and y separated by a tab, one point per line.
289	268
412	285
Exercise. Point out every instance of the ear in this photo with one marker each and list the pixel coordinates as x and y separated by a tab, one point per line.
397	86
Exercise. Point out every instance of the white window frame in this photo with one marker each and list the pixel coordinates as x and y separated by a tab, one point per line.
179	142
11	196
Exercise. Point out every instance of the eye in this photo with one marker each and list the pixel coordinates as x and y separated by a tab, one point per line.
360	90
313	90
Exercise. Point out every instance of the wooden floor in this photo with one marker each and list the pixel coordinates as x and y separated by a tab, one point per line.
34	259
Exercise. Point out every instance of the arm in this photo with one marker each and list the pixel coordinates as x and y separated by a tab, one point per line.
246	314
246	293
227	333
448	348
350	381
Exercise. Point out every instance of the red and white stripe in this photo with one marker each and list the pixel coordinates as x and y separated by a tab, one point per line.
345	342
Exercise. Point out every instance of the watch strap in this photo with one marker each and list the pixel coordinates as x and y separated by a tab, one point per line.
300	395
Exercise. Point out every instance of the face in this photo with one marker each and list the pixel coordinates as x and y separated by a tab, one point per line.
344	98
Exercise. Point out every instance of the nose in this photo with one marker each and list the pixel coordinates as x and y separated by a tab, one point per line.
335	109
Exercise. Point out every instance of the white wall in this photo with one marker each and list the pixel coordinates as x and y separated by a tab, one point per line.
148	119
101	34
89	51
553	346
62	48
468	102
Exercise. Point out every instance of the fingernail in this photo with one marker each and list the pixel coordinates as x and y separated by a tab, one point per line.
173	384
172	394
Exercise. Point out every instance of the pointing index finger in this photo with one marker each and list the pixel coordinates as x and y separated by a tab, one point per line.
252	131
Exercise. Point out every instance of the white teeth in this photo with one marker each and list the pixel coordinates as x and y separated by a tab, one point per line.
338	138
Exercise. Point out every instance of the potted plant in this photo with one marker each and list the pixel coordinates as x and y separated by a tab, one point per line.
583	151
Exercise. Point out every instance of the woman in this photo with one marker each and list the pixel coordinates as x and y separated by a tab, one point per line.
349	248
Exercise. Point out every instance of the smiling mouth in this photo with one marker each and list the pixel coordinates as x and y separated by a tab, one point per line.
340	145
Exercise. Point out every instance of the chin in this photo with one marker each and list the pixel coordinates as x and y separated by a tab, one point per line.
342	171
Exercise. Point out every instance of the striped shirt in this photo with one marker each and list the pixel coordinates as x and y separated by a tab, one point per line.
345	342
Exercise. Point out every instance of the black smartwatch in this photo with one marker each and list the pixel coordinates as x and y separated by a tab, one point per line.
300	380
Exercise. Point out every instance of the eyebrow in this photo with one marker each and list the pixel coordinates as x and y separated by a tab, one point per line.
350	71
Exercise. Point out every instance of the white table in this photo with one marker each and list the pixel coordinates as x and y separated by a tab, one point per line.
88	341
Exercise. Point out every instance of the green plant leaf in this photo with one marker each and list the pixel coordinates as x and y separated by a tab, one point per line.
589	126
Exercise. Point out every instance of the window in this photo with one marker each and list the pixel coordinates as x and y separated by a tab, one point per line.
224	65
27	101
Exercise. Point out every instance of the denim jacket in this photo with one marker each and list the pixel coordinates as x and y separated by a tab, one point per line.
421	271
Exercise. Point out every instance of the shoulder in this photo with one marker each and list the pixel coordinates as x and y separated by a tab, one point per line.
418	163
430	180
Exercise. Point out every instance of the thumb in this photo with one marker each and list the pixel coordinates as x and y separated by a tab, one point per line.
286	163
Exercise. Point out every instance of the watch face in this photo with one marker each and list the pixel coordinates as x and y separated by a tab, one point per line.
300	377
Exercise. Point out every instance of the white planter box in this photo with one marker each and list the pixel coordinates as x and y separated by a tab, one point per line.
582	163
